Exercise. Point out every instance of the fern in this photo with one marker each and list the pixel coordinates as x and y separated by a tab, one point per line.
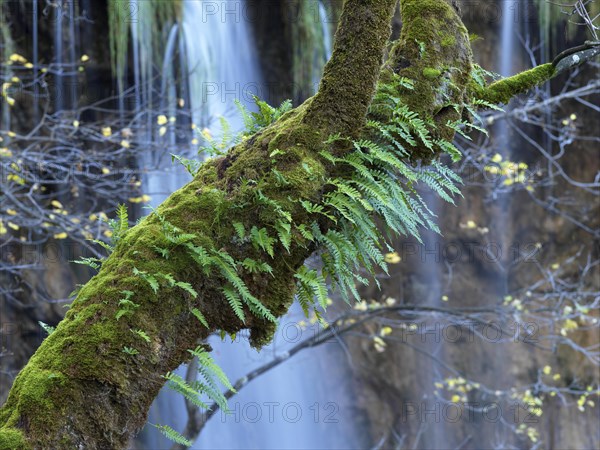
173	435
240	230
312	282
126	306
47	328
119	225
94	263
130	351
142	334
253	266
260	239
148	278
266	115
234	301
196	312
207	384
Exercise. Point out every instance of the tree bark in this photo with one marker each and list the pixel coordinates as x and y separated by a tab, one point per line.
80	389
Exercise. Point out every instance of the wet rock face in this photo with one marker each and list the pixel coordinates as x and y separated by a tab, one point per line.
476	264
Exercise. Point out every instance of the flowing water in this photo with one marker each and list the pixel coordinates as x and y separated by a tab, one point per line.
302	403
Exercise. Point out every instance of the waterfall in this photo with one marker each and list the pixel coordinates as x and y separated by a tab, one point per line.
327	40
58	59
323	47
36	87
507	38
65	76
300	404
221	61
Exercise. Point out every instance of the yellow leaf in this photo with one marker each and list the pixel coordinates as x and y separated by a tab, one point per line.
547	370
85	58
161	120
56	204
105	170
10	101
93	217
455	398
28	65
11	212
146	198
76	123
497	158
361	306
444	298
379	344
385	331
15	57
16	178
108	233
5	152
206	133
106	131
392	258
162	131
62	235
14	226
125	143
570	325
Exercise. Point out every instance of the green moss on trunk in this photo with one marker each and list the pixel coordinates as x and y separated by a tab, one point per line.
434	52
81	389
503	90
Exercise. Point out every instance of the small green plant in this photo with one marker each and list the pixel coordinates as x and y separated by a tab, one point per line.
126	306
47	328
142	334
206	384
130	351
173	435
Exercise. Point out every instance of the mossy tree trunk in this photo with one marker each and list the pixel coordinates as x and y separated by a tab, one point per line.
80	389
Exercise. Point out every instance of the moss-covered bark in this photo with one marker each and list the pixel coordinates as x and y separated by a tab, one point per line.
80	389
435	53
503	90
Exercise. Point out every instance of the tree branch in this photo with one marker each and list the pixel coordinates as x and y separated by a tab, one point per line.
82	388
503	90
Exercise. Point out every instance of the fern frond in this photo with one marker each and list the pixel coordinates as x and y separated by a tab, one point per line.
173	435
